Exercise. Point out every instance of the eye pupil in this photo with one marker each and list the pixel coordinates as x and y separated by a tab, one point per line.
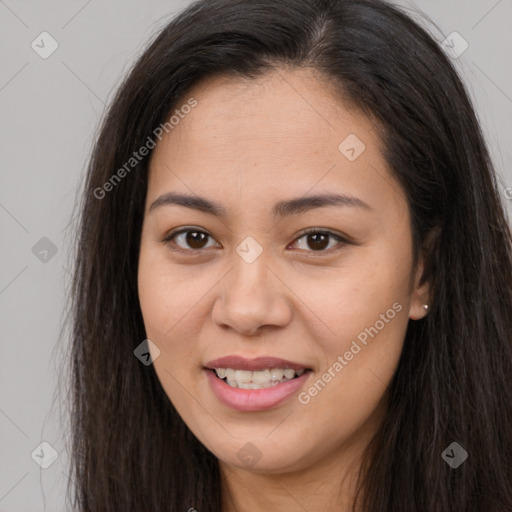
320	241
195	237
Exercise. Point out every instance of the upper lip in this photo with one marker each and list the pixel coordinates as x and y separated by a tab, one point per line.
258	363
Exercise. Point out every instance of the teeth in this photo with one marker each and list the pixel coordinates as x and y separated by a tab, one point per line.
276	374
259	379
289	373
243	376
232	383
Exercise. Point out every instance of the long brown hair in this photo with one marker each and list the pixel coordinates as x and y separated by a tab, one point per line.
130	450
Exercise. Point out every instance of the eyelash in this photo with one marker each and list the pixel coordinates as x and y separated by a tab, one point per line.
196	252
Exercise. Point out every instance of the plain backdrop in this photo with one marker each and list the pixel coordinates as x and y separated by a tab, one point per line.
50	110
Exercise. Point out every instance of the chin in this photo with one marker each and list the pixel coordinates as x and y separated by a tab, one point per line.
263	456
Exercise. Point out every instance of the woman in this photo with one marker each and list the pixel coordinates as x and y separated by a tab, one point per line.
293	286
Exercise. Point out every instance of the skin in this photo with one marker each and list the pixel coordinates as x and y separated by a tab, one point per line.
247	145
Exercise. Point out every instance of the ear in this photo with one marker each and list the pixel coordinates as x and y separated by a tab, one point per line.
420	292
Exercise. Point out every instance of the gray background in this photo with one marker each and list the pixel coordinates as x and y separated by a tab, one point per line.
50	109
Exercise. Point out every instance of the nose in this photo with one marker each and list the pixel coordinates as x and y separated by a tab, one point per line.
252	296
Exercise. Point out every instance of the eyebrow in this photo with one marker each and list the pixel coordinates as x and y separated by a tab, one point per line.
280	209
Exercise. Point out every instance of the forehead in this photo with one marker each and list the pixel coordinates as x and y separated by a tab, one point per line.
282	110
284	131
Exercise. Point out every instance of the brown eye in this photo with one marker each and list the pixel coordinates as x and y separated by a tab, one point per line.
314	240
189	239
319	241
196	239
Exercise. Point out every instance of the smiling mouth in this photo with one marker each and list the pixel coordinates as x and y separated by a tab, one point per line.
258	379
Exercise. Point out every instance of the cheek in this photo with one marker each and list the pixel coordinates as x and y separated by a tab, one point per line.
365	308
165	303
167	295
354	296
163	316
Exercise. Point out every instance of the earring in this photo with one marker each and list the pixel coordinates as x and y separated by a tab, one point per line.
425	306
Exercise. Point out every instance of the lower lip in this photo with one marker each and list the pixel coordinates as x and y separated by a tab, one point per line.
254	399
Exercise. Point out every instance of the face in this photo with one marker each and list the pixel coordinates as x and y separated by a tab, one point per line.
232	272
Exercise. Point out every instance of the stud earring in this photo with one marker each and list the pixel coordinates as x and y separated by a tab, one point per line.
425	306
